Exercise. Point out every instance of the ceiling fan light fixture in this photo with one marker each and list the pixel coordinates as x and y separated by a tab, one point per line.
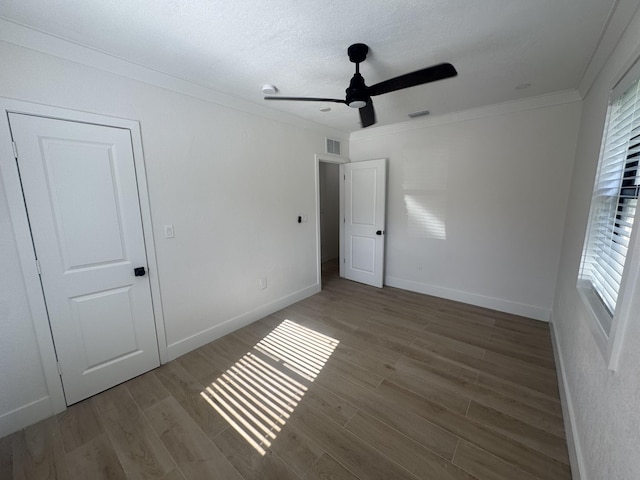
357	103
269	89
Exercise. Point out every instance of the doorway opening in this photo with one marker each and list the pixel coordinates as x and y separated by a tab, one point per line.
329	170
329	188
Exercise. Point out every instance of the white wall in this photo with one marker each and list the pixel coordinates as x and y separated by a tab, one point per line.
21	376
604	404
231	183
476	202
329	210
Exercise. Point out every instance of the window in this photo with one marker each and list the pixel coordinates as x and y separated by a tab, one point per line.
613	207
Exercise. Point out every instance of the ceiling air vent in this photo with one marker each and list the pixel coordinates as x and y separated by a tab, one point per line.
333	146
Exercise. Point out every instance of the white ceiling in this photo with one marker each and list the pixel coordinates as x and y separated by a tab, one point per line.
235	46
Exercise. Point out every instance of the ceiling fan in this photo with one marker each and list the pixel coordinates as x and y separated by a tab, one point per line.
359	95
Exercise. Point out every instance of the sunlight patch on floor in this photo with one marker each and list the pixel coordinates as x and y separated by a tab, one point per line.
254	397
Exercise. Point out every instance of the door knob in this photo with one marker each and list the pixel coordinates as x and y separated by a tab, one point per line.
139	272
379	232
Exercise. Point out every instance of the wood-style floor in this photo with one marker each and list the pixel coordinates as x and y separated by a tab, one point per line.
352	383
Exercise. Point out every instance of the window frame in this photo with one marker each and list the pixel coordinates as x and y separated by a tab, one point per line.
610	344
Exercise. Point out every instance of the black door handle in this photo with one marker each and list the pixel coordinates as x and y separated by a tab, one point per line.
139	272
379	232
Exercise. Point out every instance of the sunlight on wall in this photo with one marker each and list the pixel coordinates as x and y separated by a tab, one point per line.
425	216
425	186
254	396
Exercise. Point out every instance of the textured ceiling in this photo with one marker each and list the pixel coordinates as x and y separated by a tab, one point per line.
300	46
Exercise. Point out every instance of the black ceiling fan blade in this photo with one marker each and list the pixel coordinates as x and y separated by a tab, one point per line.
367	114
426	75
307	99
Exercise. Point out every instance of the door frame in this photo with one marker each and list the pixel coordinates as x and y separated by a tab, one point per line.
326	158
22	233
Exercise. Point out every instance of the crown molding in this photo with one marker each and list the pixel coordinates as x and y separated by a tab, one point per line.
531	103
620	16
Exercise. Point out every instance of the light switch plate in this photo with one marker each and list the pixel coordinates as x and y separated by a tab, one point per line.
168	231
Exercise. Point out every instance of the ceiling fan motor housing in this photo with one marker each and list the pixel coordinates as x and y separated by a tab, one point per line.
357	96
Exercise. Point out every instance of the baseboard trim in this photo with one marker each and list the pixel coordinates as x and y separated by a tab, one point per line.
25	415
188	344
529	311
576	457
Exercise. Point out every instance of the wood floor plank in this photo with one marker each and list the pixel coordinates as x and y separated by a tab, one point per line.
356	374
139	449
431	391
521	373
428	377
147	390
79	424
186	390
251	464
486	466
386	410
538	439
327	468
401	449
324	400
195	454
197	365
6	457
536	399
442	359
364	360
299	452
174	475
383	336
361	459
506	448
95	460
38	453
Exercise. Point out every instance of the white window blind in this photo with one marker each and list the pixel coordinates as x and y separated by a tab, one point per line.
614	203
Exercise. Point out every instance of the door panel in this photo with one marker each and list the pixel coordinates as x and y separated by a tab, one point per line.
365	193
80	189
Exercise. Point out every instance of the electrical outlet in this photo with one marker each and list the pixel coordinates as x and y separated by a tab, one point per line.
263	283
168	231
419	266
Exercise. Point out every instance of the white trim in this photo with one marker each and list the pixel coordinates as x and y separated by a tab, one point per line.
11	180
149	239
532	103
576	457
32	39
25	415
188	344
521	309
618	20
326	158
341	259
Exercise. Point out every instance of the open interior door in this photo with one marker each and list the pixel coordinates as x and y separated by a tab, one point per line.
364	221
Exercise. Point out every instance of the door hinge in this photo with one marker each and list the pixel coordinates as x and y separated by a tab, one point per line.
15	150
38	268
59	368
